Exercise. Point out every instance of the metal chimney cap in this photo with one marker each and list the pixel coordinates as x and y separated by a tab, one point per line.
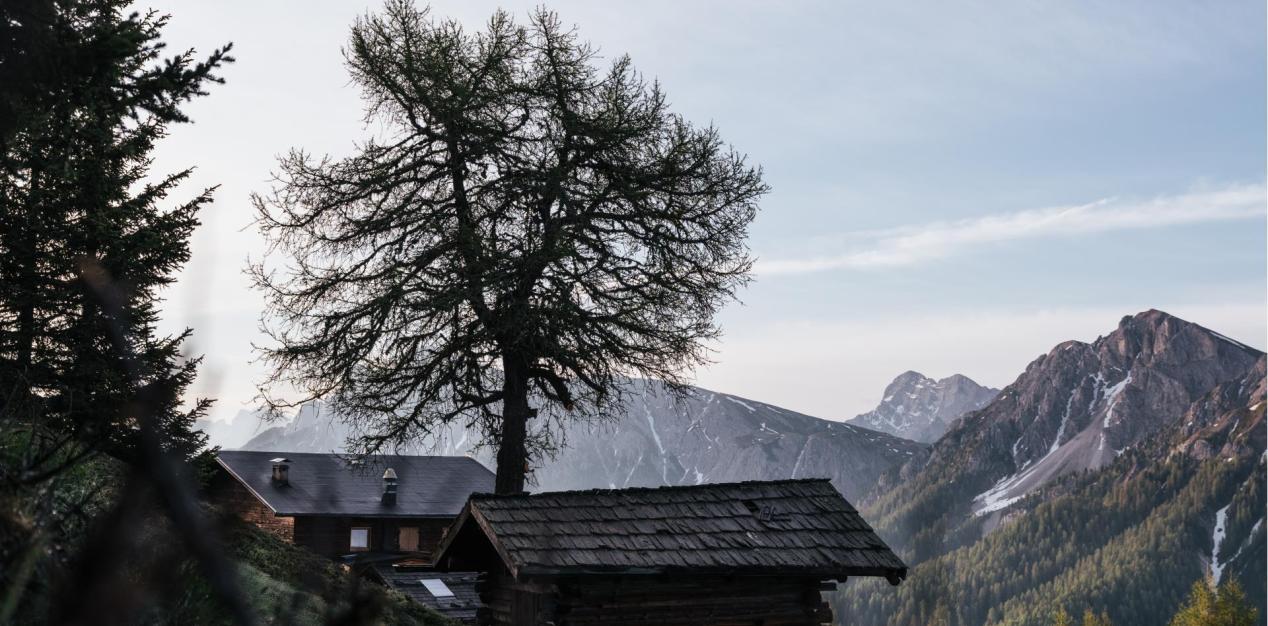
390	474
280	460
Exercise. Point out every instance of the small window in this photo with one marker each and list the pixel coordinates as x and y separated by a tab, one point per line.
360	539
408	539
437	588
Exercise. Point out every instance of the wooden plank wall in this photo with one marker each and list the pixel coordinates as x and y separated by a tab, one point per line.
330	536
660	600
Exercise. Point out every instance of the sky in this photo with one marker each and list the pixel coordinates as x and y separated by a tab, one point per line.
956	186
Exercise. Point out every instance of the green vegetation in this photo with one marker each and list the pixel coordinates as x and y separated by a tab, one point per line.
99	521
1062	618
289	584
281	583
1123	543
1225	606
88	232
1206	606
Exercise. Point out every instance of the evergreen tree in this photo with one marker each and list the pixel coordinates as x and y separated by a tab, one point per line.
533	230
1225	606
87	237
1096	619
1062	618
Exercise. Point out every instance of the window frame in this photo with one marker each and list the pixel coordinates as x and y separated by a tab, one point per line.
352	533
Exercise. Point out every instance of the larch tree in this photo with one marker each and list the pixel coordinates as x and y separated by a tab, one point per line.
527	230
1211	606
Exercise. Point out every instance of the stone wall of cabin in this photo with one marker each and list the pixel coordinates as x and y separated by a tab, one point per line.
680	600
231	496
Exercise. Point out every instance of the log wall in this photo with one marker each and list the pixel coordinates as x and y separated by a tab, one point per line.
331	536
328	536
659	600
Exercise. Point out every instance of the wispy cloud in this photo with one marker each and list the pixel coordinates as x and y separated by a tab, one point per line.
912	245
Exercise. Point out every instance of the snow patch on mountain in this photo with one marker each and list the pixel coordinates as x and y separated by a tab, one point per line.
660	439
1217	537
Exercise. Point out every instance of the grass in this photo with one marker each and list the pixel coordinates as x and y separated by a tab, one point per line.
288	584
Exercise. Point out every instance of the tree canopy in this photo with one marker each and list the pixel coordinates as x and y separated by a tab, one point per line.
87	236
527	230
95	436
1222	606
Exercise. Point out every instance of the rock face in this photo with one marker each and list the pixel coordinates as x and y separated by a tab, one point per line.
1076	408
1227	422
705	437
920	408
1167	417
1082	404
233	432
314	428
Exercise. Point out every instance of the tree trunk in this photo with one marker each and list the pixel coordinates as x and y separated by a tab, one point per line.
512	454
26	286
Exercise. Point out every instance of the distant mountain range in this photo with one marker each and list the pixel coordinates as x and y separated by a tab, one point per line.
920	408
705	437
1110	475
233	432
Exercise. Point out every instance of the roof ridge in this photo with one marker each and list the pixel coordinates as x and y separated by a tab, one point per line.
344	455
596	491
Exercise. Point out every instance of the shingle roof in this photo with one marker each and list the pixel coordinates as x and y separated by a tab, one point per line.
461	606
326	484
791	527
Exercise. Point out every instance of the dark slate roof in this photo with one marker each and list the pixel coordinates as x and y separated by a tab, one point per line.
327	484
462	606
789	527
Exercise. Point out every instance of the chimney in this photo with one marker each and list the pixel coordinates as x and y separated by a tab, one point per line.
389	487
281	471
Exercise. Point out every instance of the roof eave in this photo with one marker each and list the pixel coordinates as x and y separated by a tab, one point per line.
247	485
894	576
469	513
368	515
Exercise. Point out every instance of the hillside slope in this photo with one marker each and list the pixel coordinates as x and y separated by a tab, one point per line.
1153	477
1076	408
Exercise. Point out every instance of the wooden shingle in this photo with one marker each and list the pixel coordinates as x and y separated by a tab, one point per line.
790	527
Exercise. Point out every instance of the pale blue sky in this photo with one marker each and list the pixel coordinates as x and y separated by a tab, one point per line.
958	186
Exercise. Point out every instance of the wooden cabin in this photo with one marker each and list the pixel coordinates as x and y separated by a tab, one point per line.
723	554
383	505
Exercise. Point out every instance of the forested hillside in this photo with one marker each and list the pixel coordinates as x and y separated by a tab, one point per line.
1128	538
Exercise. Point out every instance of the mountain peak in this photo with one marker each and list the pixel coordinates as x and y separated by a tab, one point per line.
1081	405
1149	320
1152	332
656	439
908	376
919	408
1153	314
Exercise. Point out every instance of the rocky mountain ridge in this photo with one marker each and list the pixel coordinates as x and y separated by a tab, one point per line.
920	408
1082	404
658	440
1106	472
